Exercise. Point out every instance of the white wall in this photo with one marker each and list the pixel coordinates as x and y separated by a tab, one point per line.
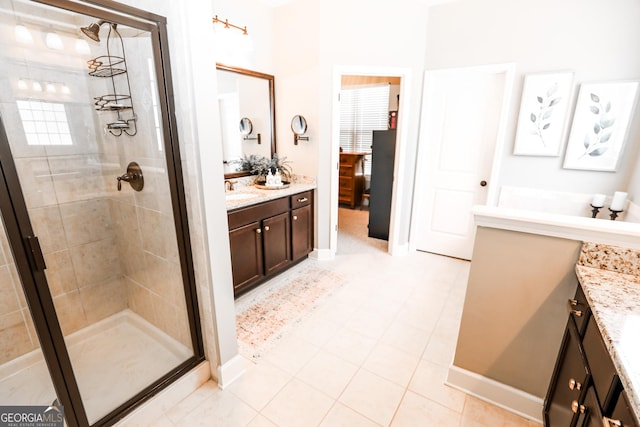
597	40
312	38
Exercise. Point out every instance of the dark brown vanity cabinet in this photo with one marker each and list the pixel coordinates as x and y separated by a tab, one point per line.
301	225
268	237
585	389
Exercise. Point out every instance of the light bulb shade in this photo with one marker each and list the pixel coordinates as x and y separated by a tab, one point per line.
54	41
92	31
50	87
82	47
36	87
23	35
22	84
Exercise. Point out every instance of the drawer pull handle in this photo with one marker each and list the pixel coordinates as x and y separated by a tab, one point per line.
258	231
608	422
576	407
266	228
574	385
295	217
572	303
302	200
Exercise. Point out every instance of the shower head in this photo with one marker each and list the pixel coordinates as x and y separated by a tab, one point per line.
92	30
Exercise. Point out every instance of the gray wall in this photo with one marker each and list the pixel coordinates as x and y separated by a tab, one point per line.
515	307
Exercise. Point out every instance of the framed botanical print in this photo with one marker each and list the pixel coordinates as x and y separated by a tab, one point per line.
543	114
600	125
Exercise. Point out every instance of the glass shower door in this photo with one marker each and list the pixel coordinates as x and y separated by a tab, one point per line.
85	124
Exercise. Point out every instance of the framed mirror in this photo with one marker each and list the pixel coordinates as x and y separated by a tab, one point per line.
245	94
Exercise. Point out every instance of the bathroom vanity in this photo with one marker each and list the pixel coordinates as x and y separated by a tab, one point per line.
597	375
269	231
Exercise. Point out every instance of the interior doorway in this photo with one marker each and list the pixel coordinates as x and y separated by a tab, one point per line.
367	108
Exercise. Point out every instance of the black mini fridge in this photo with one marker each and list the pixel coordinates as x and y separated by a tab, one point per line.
383	152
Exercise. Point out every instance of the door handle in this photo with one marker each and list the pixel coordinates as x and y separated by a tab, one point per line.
483	183
266	228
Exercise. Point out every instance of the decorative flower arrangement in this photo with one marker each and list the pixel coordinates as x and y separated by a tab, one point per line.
260	166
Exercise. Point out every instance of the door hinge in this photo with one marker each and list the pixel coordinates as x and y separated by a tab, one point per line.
37	258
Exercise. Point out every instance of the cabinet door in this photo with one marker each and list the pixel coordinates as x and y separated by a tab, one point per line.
246	255
621	415
301	232
277	242
569	380
589	411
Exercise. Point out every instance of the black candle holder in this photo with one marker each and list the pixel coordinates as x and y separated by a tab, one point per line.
595	210
614	214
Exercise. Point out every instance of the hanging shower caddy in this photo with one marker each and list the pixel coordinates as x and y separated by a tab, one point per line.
114	67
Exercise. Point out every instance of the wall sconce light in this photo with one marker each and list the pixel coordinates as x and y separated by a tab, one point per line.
228	24
242	43
53	41
299	128
82	47
246	127
23	35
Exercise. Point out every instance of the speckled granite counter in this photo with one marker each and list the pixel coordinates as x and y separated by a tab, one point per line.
610	278
246	194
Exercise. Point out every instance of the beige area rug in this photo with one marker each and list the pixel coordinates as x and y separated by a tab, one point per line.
264	318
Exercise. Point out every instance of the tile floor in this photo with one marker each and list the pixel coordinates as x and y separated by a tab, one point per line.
375	353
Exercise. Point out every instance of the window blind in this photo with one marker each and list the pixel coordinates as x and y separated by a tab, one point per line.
363	109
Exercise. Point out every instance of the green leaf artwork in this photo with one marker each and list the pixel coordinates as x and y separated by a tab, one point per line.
540	119
596	143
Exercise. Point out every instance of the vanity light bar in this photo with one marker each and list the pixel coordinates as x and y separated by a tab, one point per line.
227	24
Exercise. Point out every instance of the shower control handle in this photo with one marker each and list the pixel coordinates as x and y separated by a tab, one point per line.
133	176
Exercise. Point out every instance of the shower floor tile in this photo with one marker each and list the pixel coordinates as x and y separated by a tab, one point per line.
123	352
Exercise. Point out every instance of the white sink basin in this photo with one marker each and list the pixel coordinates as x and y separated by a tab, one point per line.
240	196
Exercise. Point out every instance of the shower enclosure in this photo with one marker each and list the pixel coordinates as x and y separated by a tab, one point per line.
98	306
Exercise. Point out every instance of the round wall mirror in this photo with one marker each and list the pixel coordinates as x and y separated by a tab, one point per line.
299	125
246	127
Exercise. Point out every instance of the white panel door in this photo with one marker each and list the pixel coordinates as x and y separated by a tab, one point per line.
460	121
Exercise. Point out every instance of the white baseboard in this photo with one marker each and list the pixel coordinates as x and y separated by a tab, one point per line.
512	399
149	412
231	371
322	254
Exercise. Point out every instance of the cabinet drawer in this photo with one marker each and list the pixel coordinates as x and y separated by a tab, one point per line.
603	373
345	183
301	199
243	216
579	310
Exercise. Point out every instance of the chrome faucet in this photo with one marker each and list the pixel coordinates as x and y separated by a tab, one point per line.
230	186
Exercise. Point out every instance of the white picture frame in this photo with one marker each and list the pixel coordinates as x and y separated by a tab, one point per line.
600	125
543	114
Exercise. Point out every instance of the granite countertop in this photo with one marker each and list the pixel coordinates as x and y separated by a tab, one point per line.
246	194
610	278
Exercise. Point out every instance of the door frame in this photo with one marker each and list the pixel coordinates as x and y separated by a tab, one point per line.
399	188
508	69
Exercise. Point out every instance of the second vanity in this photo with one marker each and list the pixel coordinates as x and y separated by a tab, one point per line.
596	379
269	231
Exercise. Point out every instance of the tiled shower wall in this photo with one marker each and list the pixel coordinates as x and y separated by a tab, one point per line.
105	250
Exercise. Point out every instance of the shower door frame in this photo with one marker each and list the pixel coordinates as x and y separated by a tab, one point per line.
28	254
